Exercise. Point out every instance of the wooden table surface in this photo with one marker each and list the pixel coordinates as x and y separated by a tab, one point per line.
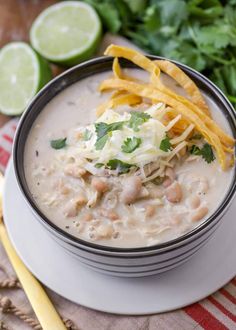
16	17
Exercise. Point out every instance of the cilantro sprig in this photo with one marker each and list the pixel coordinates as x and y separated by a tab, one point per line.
137	119
165	144
103	130
87	135
206	152
58	144
130	144
99	165
121	167
198	33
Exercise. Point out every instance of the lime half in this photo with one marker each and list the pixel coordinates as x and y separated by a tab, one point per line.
67	32
22	74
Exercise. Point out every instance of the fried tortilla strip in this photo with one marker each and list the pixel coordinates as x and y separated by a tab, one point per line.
229	150
226	139
184	81
151	92
118	93
153	68
133	56
181	125
116	68
130	99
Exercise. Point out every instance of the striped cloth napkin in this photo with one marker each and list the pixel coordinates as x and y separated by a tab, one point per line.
217	312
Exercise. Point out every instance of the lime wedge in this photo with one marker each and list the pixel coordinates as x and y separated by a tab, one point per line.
66	33
22	74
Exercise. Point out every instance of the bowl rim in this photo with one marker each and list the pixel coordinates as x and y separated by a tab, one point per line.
75	241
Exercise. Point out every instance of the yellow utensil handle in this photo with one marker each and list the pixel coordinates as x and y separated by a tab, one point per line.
42	306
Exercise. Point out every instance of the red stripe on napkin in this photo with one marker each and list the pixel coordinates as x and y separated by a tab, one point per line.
204	318
222	308
4	156
7	138
228	296
234	281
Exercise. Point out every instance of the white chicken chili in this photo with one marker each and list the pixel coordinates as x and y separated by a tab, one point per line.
136	175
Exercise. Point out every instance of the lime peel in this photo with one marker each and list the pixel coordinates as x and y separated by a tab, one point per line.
22	73
67	32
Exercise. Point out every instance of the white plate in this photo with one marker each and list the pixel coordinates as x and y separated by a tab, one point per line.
211	268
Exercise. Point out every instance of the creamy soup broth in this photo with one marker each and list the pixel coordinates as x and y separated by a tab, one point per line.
147	221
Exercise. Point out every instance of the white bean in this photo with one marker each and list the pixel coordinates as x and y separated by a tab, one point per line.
176	219
110	200
100	185
104	231
167	182
75	171
150	210
198	184
174	193
131	190
87	217
80	200
194	202
199	213
110	214
72	207
155	191
71	210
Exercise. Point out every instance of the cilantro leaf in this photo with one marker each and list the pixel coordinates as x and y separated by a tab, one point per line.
121	167
99	165
102	130
58	144
207	153
130	144
87	135
217	35
165	144
108	13
137	119
100	143
195	150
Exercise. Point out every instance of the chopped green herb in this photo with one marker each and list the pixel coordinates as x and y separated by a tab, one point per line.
121	167
165	144
195	150
199	33
130	144
137	119
100	143
87	135
58	144
197	136
99	165
206	152
102	130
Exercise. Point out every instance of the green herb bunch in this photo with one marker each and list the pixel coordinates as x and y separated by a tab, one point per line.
199	33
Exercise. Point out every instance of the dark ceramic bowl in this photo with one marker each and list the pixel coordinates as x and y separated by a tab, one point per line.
130	262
